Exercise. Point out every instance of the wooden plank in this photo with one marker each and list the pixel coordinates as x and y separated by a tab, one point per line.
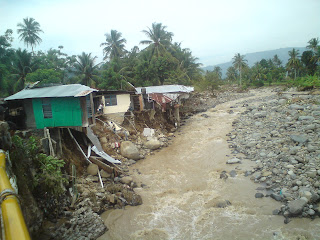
114	169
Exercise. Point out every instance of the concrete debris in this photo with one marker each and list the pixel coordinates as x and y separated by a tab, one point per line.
148	132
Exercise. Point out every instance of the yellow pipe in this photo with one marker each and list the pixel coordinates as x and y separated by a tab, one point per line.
14	225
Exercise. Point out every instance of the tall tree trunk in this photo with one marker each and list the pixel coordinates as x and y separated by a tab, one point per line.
240	75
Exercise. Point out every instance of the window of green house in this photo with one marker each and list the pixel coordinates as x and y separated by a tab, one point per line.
46	108
111	100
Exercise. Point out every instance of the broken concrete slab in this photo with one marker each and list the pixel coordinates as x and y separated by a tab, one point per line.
148	132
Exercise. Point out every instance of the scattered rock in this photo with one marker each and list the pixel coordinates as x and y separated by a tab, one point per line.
129	150
126	180
276	197
233	161
153	144
311	212
259	195
104	174
276	212
223	204
92	169
283	142
295	207
224	175
204	115
286	220
299	138
233	173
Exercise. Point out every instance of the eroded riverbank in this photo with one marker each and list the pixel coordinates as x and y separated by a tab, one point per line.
185	198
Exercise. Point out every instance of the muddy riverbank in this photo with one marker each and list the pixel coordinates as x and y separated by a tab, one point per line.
185	197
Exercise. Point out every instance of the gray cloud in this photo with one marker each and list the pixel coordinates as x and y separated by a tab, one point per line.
213	30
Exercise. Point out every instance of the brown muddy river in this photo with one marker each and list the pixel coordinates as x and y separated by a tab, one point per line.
184	188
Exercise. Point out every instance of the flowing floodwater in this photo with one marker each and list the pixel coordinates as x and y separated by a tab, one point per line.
184	187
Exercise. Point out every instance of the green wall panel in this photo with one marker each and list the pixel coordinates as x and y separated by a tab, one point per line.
66	112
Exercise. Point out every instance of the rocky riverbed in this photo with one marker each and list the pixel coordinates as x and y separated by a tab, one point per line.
282	136
278	135
118	191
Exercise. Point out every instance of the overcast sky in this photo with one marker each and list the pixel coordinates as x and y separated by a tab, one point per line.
213	30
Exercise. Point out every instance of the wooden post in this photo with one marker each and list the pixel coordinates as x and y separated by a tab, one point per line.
92	109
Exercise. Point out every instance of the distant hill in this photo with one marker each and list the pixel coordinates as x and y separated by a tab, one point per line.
258	56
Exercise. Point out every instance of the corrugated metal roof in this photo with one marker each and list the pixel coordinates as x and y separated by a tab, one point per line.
160	98
166	89
71	90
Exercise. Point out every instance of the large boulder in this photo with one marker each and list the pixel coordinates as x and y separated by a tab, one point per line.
153	144
296	206
126	180
104	174
129	150
92	169
299	138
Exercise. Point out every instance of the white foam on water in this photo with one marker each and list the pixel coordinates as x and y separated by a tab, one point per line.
178	214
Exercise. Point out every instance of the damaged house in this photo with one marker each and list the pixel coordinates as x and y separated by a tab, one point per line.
168	97
114	103
54	106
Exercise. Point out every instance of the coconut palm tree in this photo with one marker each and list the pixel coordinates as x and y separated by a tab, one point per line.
114	45
316	57
22	65
239	63
294	61
313	44
276	61
159	39
258	72
188	65
217	70
29	32
85	66
232	74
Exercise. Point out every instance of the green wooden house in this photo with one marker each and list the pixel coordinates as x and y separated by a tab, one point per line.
55	106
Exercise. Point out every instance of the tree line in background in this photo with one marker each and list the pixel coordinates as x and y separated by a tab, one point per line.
162	61
301	70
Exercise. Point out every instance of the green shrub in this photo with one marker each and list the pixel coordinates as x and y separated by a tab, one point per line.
49	173
258	83
48	169
307	82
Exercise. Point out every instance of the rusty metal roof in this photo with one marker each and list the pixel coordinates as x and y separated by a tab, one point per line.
160	98
166	89
71	90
